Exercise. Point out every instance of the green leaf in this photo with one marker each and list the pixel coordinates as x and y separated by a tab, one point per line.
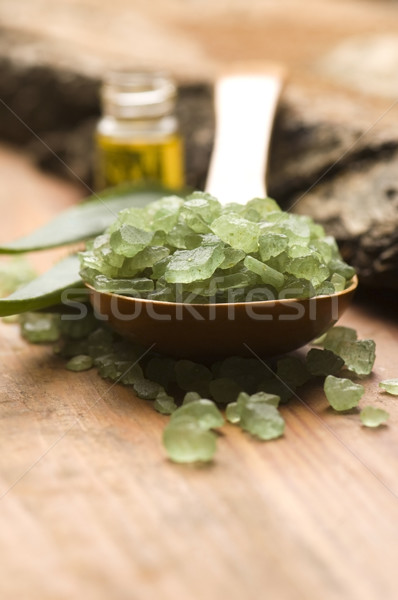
46	290
86	220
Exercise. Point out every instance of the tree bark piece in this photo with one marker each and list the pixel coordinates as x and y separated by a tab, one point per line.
337	161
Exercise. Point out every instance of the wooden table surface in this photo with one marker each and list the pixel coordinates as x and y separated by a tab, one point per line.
91	508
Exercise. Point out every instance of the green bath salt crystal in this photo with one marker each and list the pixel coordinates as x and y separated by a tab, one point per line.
336	265
297	229
292	371
39	327
78	328
263	397
299	251
258	398
262	420
163	214
193	377
201	239
246	372
237	232
272	244
232	281
359	356
190	397
337	335
166	294
204	412
100	342
326	288
267	274
132	374
223	390
147	257
323	362
278	387
323	248
187	437
342	394
232	412
296	288
128	287
82	362
129	240
161	370
242	400
111	367
185	442
372	416
186	266
147	390
164	404
232	256
308	267
262	206
108	256
159	268
338	281
202	205
390	386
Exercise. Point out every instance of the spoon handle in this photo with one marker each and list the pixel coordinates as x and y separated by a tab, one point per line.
245	106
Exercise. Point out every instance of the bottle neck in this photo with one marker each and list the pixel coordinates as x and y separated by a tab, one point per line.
138	96
111	126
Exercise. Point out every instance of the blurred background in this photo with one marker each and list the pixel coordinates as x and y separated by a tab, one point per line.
335	146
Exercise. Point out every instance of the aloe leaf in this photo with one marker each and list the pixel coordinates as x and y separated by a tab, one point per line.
46	290
86	220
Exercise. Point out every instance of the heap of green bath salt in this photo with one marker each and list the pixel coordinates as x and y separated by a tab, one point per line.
249	389
195	250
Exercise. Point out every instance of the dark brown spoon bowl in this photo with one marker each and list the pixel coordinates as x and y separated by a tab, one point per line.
212	331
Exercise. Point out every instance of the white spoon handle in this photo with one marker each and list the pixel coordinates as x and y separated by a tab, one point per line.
245	108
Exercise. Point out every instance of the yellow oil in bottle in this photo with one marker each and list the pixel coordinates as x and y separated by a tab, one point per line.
137	138
139	161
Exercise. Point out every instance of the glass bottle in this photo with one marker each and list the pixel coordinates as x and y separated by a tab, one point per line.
137	138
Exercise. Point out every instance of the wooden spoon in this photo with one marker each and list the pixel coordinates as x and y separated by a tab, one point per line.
245	108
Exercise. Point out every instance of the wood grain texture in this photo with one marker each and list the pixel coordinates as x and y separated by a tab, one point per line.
90	506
